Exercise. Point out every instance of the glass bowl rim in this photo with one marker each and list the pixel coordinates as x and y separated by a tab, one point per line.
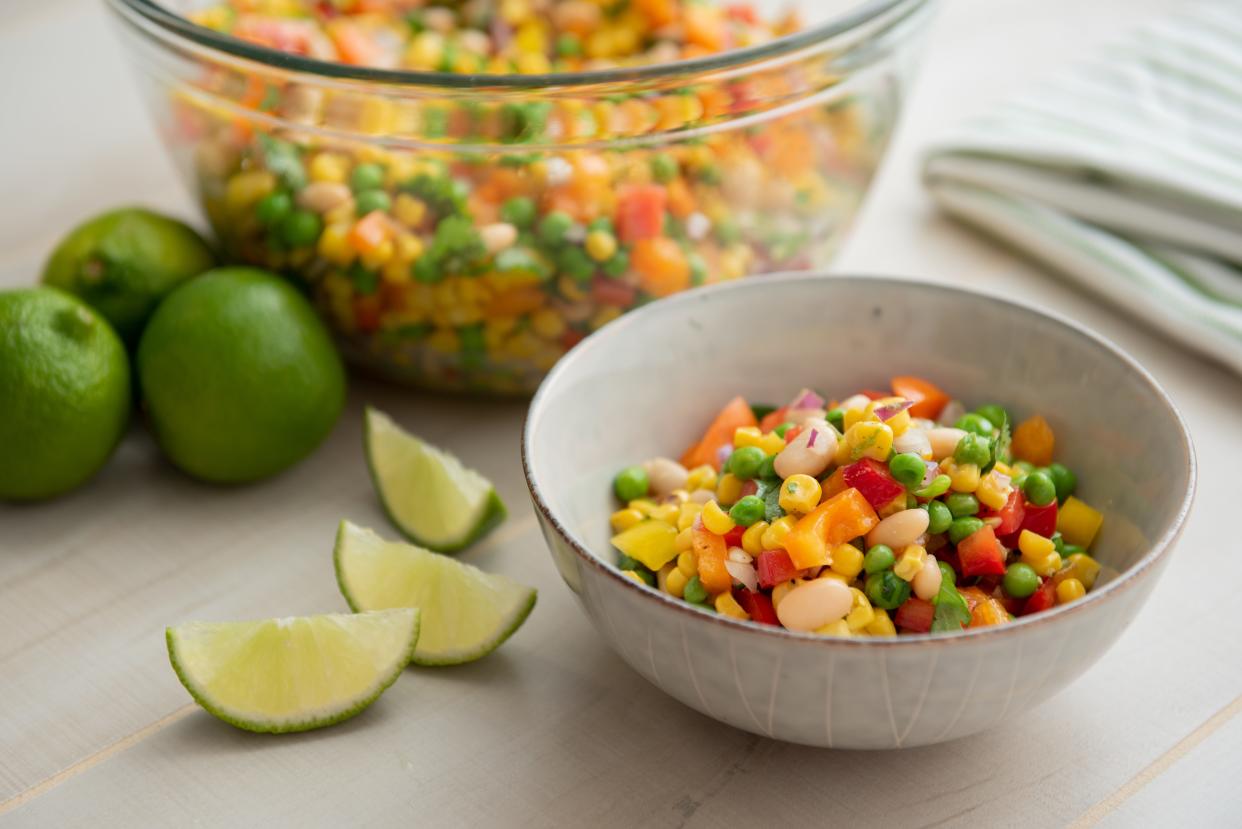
168	23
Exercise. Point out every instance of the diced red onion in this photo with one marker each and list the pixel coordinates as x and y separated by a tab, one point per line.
811	438
807	399
952	410
743	574
891	410
723	453
933	470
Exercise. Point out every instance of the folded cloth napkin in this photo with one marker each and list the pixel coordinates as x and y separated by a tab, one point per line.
1125	173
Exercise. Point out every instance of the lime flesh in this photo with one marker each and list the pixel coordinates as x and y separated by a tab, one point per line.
292	674
428	494
466	613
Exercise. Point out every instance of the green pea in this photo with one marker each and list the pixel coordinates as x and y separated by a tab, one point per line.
426	270
964	527
908	468
993	413
273	207
783	428
617	265
939	486
1039	489
366	177
1020	580
519	211
886	590
972	449
976	424
961	504
554	226
747	510
698	268
568	46
745	462
879	558
694	591
599	223
624	562
663	168
837	418
947	574
631	483
574	263
939	517
1024	467
767	469
300	228
1063	479
368	201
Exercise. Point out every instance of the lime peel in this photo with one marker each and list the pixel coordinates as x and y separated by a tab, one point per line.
466	613
428	494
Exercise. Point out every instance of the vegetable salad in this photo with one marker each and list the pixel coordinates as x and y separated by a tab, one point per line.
884	513
524	219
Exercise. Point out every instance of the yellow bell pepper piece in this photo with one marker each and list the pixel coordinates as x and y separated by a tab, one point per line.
654	543
1078	522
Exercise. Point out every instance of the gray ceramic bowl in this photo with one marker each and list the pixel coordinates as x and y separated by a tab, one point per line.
646	385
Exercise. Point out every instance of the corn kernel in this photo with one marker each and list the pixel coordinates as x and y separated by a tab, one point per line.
726	605
334	245
662	576
1078	522
701	477
771	443
715	519
1070	590
829	573
1082	567
408	210
773	537
780	591
684	540
746	436
688	512
687	563
752	539
1035	546
847	560
667	513
729	488
861	612
993	490
857	415
379	256
910	563
679	496
244	189
643	505
547	324
623	519
634	575
963	477
882	625
838	628
899	422
676	582
866	439
328	167
799	494
600	245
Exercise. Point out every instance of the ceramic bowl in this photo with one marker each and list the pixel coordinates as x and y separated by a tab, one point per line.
646	384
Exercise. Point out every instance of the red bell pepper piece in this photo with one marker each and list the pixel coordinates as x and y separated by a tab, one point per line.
749	488
774	567
873	480
1044	597
915	615
1011	515
640	212
981	554
733	538
757	605
1041	520
613	292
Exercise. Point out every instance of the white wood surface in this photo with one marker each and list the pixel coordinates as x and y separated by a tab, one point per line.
553	729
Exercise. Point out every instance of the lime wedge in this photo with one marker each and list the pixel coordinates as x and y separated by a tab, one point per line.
466	613
292	674
431	498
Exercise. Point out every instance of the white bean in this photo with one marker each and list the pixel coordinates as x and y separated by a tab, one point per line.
702	496
952	411
944	440
858	401
900	529
913	440
665	475
812	605
810	452
498	236
926	582
322	196
799	416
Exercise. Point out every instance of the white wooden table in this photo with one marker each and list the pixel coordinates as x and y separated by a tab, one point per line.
553	729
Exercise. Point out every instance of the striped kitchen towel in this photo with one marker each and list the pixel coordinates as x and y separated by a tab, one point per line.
1125	173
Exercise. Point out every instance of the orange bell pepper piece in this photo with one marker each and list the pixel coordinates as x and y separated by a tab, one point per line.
710	552
927	397
834	485
844	516
1033	441
662	267
735	414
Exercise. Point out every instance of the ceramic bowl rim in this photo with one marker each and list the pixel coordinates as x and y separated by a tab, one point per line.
1159	549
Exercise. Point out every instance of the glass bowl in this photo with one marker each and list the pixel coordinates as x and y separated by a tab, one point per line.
449	274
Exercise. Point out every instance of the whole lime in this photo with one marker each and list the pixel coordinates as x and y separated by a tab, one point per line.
122	263
240	377
64	392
